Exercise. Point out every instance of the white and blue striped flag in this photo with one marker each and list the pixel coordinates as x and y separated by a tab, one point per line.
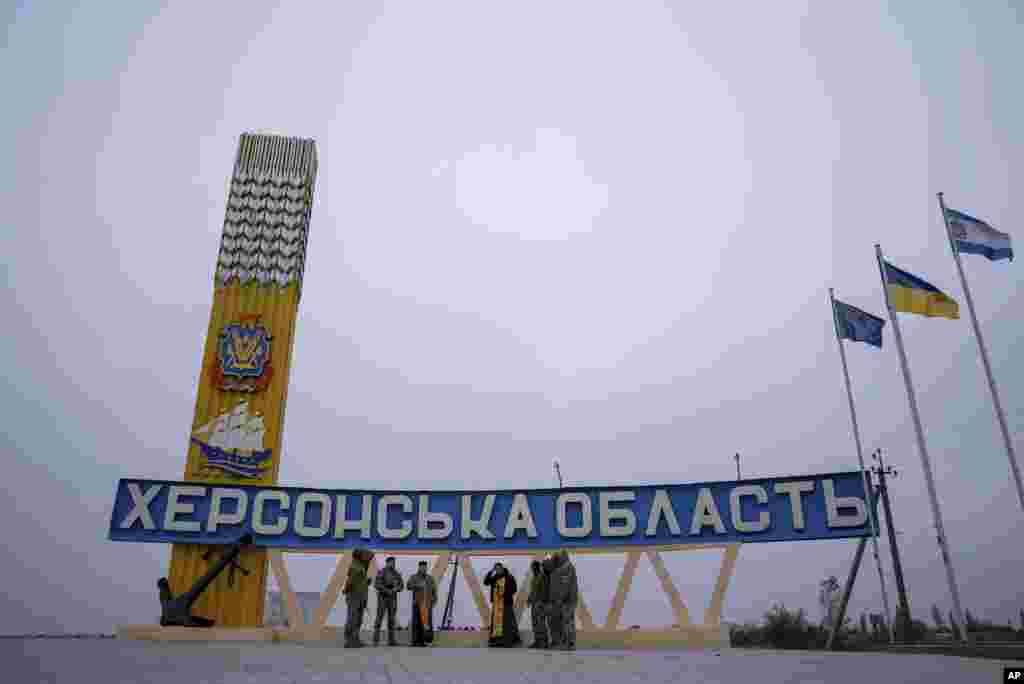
973	236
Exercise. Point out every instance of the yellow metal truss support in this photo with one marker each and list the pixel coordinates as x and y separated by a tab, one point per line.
713	616
291	603
332	592
329	598
440	567
473	582
669	587
625	583
583	613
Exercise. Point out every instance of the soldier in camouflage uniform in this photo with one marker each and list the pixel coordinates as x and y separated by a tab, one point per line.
356	590
387	583
565	591
551	619
538	600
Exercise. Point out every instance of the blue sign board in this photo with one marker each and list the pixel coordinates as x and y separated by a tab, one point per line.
777	509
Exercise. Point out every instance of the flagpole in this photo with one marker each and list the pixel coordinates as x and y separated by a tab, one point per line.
863	471
923	450
1007	439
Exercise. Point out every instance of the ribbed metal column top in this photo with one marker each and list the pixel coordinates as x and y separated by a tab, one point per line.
276	154
266	226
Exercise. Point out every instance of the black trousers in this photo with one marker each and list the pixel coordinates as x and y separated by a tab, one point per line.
356	605
386	605
539	622
556	631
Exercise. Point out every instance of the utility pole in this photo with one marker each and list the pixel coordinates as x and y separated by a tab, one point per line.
738	476
872	494
881	470
558	472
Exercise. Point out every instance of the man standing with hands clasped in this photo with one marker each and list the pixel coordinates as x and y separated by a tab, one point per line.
537	601
565	592
553	618
387	583
424	596
356	590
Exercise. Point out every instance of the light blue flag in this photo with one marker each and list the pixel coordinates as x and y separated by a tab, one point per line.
973	236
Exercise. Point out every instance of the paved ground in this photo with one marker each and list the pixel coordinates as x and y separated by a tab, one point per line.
108	661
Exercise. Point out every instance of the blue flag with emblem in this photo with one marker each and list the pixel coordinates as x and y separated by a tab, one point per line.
858	326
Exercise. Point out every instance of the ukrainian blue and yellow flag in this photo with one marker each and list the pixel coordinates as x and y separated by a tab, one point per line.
911	294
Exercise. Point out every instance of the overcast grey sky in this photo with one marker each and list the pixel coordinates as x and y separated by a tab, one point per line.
601	233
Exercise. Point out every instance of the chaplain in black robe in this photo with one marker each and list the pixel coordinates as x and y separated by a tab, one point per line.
504	628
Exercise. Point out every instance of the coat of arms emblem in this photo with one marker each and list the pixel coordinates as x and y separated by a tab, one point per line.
243	356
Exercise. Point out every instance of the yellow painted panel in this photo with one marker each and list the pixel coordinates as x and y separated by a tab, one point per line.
241	605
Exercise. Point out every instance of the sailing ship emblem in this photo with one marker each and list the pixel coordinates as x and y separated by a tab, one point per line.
243	356
233	442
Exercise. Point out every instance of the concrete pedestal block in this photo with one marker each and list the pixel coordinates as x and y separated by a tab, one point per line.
685	638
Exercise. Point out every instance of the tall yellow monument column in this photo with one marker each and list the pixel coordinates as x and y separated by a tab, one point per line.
243	384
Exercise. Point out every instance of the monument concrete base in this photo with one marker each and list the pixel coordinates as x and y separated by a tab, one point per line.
690	637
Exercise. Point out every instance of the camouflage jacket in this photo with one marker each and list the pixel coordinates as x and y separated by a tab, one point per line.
388	582
565	587
539	589
358	580
418	583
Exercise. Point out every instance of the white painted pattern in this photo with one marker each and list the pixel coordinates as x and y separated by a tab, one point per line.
266	223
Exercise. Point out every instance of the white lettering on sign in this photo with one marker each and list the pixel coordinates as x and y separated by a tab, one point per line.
662	507
426	516
175	507
705	512
754	508
520	517
607	514
477	526
383	504
281	524
833	503
735	509
794	490
218	516
302	502
586	525
140	503
362	523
